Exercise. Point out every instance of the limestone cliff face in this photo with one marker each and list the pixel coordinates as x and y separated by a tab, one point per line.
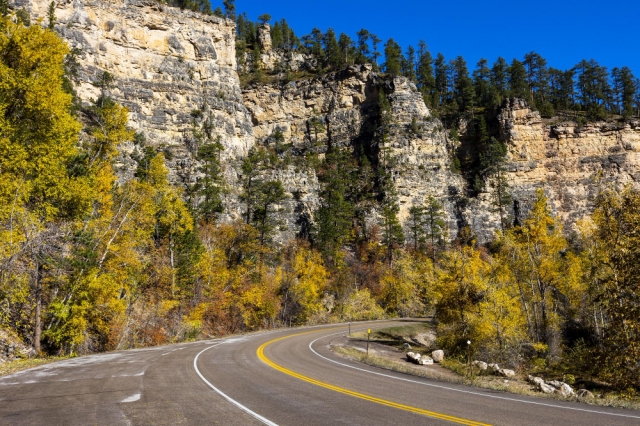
341	110
168	63
570	162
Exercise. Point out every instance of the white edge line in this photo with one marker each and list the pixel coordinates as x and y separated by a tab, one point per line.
228	398
460	390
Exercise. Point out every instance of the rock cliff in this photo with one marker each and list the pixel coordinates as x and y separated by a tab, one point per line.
168	63
571	162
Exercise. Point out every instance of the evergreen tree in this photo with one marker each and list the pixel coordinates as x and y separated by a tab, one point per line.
211	187
593	88
482	83
347	49
375	41
409	64
500	80
363	52
253	166
269	193
230	9
51	15
334	216
393	58
624	90
518	85
442	79
561	88
425	77
537	78
265	18
332	52
416	226
462	85
435	225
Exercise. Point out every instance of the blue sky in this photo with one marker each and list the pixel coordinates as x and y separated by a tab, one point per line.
562	31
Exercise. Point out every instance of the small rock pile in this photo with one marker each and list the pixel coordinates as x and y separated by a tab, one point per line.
494	368
416	358
556	386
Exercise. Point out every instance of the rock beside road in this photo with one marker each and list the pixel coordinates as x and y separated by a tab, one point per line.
584	394
437	355
505	372
480	364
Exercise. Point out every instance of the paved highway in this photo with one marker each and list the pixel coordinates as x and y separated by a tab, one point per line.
285	377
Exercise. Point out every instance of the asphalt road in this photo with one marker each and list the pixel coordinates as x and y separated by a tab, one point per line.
285	377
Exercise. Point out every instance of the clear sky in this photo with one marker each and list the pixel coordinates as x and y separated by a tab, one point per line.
562	31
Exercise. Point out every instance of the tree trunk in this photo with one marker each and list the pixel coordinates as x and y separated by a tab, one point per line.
38	320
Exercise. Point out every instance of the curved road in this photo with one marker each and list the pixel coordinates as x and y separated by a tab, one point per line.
285	377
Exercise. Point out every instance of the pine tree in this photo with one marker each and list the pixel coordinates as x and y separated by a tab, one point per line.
518	85
375	41
230	9
332	54
500	79
482	83
334	216
464	93
347	49
538	79
269	193
435	225
362	56
51	15
393	58
416	226
442	79
425	77
593	88
409	64
211	187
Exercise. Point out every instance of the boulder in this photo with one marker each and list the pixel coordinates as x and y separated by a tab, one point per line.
546	388
493	367
425	360
438	355
566	390
407	346
535	380
505	372
584	394
413	357
555	383
480	364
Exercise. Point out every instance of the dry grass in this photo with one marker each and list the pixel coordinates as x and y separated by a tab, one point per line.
26	363
395	335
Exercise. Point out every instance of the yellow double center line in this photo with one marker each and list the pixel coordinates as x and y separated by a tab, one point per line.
428	413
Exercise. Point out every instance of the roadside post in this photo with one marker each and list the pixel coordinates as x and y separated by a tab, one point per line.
469	359
368	334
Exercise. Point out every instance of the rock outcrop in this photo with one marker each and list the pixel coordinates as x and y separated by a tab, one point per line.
341	110
570	162
168	63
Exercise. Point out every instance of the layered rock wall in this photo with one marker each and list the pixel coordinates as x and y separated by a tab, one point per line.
571	163
166	63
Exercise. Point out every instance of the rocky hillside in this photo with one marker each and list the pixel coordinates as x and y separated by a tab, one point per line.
168	63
